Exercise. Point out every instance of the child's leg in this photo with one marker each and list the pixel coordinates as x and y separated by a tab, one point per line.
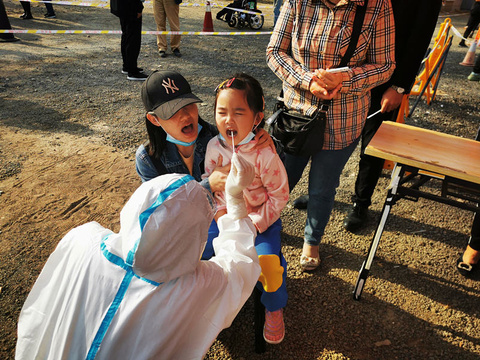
212	234
274	268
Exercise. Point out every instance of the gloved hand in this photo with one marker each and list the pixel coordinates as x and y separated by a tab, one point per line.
241	175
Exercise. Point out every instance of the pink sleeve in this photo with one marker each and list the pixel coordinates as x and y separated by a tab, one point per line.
275	182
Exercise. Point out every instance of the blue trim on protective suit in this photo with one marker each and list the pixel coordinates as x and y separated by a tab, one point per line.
127	266
117	260
146	214
107	320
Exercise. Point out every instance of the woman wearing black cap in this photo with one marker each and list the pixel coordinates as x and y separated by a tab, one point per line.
177	136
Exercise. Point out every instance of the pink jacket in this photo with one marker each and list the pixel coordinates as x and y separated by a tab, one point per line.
268	193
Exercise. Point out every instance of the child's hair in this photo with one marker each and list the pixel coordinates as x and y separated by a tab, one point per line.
253	92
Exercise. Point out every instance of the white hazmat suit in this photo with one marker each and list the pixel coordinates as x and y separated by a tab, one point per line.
142	293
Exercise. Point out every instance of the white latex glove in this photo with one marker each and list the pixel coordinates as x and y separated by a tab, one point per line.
241	175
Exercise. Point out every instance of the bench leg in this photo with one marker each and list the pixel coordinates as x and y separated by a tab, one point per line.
389	202
259	321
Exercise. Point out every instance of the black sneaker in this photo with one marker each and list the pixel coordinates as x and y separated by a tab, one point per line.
177	53
162	53
356	218
137	76
10	39
49	16
301	202
26	16
462	44
126	72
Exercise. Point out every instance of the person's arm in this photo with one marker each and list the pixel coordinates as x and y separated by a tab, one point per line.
279	58
264	140
144	165
414	25
217	178
391	99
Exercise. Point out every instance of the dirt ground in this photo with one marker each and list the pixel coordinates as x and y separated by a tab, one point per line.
69	126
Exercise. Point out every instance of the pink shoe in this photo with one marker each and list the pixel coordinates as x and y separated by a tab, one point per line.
274	328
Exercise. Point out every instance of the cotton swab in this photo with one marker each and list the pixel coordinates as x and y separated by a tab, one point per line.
375	113
233	143
335	70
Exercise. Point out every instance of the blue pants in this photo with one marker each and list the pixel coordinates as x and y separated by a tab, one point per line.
267	243
323	180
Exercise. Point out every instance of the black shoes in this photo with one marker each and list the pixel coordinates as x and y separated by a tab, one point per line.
137	76
175	52
50	16
10	39
462	44
464	268
356	218
126	72
26	16
301	202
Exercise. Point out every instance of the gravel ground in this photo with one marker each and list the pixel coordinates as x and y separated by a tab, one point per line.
70	123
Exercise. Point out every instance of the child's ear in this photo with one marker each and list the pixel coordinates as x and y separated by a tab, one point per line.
259	117
153	119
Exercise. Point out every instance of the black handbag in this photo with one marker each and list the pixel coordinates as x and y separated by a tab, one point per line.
303	135
298	134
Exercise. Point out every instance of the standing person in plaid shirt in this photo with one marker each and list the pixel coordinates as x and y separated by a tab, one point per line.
312	36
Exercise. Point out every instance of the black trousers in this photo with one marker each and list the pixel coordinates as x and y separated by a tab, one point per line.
4	22
473	20
131	41
475	235
370	167
476	66
28	10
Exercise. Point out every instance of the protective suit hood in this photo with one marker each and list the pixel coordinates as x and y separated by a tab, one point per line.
156	233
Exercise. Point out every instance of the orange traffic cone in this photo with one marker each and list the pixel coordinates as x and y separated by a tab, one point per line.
470	55
207	21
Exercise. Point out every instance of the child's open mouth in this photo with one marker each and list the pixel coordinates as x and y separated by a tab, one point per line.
187	129
231	133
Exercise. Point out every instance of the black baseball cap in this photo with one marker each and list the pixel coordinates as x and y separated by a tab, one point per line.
165	92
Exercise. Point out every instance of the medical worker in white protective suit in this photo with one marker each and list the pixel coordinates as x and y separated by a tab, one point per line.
143	293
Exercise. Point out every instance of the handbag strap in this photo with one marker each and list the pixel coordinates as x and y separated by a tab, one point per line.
357	28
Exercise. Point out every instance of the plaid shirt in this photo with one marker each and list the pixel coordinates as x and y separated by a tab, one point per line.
313	34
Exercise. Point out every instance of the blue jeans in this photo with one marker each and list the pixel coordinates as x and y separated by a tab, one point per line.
323	180
266	243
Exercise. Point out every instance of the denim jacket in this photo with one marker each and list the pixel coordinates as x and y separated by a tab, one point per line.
172	160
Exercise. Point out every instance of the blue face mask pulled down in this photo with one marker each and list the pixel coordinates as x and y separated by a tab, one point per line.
183	143
247	138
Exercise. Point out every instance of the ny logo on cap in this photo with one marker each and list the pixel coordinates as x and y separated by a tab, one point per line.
170	84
